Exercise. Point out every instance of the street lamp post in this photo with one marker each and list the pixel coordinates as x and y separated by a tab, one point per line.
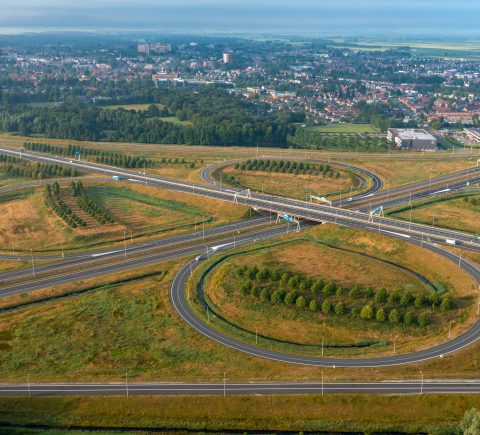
450	327
224	384
125	243
421	385
33	266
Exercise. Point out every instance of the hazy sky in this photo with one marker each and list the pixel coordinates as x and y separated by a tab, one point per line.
396	17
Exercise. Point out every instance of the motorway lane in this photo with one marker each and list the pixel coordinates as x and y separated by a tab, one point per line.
242	388
303	209
199	248
417	196
131	250
374	195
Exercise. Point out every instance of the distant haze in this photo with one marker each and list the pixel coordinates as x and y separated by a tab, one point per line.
322	17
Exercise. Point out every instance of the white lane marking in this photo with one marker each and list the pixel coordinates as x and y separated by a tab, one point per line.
106	253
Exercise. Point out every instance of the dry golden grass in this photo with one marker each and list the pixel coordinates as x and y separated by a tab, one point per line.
28	224
455	214
346	269
401	172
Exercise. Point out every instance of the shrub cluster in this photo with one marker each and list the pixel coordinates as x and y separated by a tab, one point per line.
290	167
303	293
473	201
53	200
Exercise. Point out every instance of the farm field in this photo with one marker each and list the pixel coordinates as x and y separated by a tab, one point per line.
331	413
456	214
291	185
344	128
140	213
466	49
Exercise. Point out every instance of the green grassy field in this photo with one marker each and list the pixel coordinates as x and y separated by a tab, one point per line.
173	120
325	414
137	107
343	128
466	49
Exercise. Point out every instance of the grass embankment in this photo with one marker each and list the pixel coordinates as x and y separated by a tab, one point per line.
456	212
143	212
291	185
332	413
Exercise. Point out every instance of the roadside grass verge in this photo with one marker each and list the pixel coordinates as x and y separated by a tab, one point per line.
449	211
330	413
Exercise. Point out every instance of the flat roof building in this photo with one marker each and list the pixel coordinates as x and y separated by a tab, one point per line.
412	139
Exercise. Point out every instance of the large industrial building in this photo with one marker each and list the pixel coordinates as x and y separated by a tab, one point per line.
412	139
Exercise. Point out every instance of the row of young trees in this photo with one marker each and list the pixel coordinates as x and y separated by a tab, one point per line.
53	200
281	287
104	157
88	205
287	166
20	168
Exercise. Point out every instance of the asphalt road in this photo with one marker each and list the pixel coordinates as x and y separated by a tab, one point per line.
199	248
315	212
417	234
246	388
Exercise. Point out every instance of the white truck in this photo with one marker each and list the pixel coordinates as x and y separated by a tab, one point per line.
450	242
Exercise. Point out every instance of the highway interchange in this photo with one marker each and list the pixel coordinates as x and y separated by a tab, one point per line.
224	238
